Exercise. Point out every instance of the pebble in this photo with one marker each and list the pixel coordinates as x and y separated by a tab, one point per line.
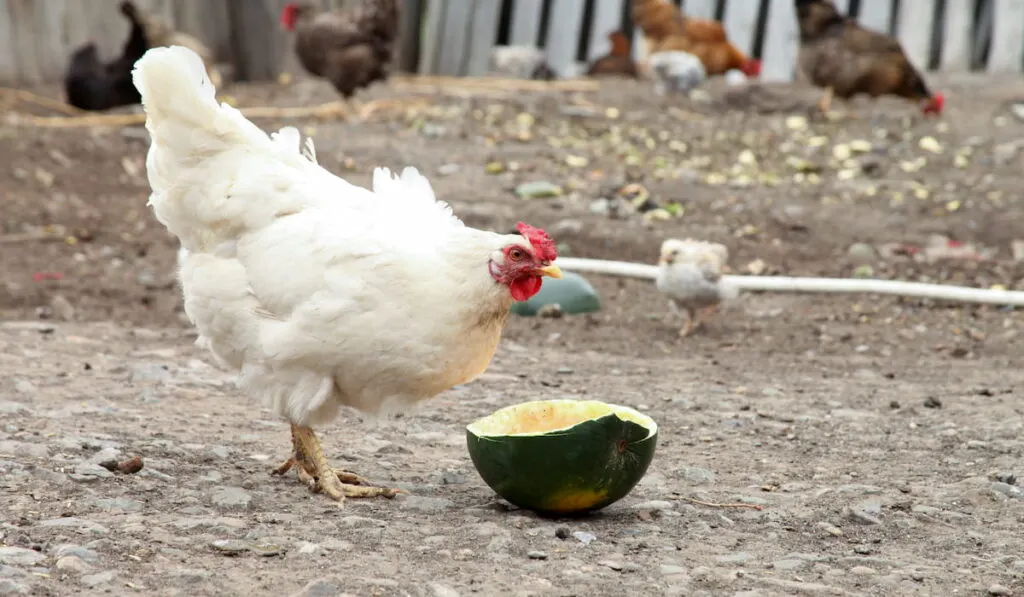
584	537
122	504
321	587
790	564
611	564
100	578
24	449
79	524
427	505
89	471
234	498
84	553
72	564
190	575
537	555
670	569
9	587
997	589
866	512
698	476
440	590
740	557
862	571
654	506
230	546
19	556
1008	490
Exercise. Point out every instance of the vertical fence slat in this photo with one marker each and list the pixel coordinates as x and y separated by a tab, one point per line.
703	9
914	30
525	22
956	37
457	19
1007	37
567	22
607	18
741	23
433	33
482	35
781	42
876	14
9	71
842	5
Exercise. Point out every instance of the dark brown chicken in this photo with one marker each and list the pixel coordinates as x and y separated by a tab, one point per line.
846	59
618	62
92	85
352	49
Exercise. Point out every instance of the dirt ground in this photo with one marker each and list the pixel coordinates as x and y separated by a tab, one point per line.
880	436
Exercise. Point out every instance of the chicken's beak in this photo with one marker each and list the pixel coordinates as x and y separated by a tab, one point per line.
664	260
552	271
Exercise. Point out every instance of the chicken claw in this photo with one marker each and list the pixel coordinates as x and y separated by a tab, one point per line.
315	472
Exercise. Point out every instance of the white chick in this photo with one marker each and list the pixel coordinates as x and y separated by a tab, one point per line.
676	72
690	273
520	62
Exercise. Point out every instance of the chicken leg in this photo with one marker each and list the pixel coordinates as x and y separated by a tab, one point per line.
825	103
315	471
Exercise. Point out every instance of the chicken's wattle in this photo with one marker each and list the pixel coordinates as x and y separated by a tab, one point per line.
525	287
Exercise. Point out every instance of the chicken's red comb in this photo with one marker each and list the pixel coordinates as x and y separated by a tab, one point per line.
543	247
936	104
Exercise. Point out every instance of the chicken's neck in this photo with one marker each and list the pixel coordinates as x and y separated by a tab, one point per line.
468	255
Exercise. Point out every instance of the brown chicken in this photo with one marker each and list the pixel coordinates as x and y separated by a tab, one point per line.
666	28
845	59
352	49
618	62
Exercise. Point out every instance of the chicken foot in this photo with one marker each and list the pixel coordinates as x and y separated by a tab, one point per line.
695	320
825	103
316	472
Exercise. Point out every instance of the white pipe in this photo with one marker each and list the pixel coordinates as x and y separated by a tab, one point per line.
825	285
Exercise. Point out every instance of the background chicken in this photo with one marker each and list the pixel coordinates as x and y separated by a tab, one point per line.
676	72
618	62
690	273
666	28
160	34
352	49
846	59
313	289
91	84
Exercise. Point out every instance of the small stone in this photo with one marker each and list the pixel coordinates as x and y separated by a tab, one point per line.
790	565
611	564
19	556
266	549
9	587
997	589
72	564
862	571
866	512
698	476
1010	491
100	578
739	557
427	505
440	590
654	506
670	570
234	498
537	555
122	504
563	533
84	553
321	587
89	471
538	190
230	547
861	254
584	537
222	452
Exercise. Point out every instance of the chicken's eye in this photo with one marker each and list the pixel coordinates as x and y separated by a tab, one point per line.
516	254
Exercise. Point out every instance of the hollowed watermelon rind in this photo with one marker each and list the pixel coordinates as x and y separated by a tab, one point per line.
568	471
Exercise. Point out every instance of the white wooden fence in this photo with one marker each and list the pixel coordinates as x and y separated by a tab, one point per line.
951	35
454	37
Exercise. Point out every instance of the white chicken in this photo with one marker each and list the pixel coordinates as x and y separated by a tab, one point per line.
690	273
319	293
676	71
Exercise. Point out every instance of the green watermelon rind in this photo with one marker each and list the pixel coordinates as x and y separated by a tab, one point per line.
579	469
